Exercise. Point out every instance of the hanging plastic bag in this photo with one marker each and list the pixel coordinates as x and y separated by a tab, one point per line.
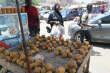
57	31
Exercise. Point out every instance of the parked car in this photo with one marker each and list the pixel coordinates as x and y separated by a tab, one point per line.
45	14
68	14
101	33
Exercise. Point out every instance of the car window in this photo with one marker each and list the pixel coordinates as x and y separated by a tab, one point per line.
94	21
105	20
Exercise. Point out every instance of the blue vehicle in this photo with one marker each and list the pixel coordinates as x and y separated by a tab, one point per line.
68	14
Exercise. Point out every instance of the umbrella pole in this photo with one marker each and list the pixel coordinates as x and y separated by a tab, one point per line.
23	38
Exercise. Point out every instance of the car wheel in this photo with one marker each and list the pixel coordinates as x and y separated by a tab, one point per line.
77	36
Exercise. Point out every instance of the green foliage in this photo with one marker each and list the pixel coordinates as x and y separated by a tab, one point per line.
11	2
2	1
35	2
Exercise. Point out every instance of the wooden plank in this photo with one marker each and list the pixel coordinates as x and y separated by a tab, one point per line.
12	67
85	62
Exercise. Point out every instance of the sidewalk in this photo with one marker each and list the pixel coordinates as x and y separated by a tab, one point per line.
100	60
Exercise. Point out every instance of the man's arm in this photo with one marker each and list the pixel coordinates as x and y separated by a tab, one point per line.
88	25
37	15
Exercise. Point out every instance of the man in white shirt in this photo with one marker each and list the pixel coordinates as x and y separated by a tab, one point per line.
84	24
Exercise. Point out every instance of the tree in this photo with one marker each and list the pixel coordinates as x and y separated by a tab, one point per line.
35	2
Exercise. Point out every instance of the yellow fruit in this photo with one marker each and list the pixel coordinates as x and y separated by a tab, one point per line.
21	63
89	46
60	49
36	50
37	70
22	57
78	57
59	43
71	49
25	65
33	52
70	55
85	48
32	65
2	49
7	53
8	58
38	62
44	47
86	43
49	38
66	66
31	59
75	45
65	44
64	55
60	70
82	52
67	51
43	70
78	42
57	53
30	41
49	72
17	61
72	64
14	59
72	70
52	48
49	67
49	49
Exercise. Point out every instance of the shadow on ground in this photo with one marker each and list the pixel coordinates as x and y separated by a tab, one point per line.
102	45
99	45
95	53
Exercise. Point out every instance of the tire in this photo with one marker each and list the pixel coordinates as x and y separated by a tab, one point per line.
78	36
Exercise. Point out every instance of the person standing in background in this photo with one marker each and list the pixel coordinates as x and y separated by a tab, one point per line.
84	24
55	18
33	18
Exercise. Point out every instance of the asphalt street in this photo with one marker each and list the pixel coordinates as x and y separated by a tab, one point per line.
99	60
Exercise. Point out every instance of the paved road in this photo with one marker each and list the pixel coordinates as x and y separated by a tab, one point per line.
100	61
100	58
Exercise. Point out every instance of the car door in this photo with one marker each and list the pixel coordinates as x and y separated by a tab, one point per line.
105	29
96	33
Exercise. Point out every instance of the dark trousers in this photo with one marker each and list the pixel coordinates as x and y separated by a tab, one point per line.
85	34
49	29
33	30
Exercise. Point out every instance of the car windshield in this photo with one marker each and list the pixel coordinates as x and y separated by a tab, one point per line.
98	16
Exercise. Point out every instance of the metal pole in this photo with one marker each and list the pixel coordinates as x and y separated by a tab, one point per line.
23	38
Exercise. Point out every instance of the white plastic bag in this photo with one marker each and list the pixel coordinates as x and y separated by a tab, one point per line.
57	30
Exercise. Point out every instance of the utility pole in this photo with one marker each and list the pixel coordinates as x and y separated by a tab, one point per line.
23	38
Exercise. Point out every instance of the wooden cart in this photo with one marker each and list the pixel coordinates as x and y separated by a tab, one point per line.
84	67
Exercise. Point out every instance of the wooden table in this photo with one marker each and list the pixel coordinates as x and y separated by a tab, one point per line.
84	67
16	69
12	67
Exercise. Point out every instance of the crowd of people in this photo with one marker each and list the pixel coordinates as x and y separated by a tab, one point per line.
55	19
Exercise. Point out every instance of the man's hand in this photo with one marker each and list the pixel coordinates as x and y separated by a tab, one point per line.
57	22
93	26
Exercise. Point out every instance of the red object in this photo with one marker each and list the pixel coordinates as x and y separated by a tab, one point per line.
61	36
33	14
2	44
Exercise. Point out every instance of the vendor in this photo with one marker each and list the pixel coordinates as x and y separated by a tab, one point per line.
33	18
